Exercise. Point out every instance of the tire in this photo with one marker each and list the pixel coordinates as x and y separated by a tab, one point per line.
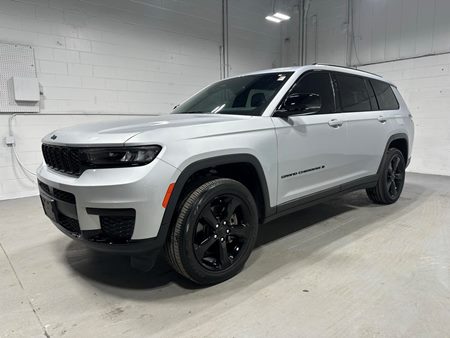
391	180
214	232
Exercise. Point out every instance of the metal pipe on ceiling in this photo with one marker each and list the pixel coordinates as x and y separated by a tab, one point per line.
300	32
314	38
350	33
307	4
225	67
303	6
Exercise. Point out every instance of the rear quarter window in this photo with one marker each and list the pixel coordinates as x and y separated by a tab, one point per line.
385	95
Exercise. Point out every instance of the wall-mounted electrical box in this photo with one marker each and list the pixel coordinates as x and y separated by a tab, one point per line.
26	89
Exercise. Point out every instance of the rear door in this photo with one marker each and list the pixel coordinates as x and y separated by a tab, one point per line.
311	147
367	127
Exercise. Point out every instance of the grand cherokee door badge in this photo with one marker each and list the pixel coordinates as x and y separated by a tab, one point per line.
296	173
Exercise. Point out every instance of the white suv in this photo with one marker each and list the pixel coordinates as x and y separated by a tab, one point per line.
243	151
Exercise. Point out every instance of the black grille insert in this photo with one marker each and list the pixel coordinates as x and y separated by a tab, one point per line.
117	228
63	159
64	196
58	194
69	224
117	225
45	187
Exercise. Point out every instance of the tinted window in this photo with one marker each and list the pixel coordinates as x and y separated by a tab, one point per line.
317	83
385	95
243	95
353	93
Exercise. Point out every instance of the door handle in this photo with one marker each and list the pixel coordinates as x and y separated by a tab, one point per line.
335	123
381	119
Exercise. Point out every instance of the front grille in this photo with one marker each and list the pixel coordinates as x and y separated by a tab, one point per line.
69	224
63	159
118	228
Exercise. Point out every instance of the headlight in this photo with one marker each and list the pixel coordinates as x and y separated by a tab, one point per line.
113	157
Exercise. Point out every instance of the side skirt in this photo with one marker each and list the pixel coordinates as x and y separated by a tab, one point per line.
322	196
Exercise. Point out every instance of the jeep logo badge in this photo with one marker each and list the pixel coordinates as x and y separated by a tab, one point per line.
53	137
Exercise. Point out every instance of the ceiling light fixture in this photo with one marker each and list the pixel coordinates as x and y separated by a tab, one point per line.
273	19
281	16
277	16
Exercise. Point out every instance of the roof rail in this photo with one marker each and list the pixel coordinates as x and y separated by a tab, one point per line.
338	66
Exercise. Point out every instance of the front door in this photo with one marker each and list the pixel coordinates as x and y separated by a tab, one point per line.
312	153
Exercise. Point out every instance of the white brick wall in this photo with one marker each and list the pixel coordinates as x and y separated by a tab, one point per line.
120	56
386	30
425	86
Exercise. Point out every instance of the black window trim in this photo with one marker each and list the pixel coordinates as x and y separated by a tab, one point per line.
303	75
336	91
371	91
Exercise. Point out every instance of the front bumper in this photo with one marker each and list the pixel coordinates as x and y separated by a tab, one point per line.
115	210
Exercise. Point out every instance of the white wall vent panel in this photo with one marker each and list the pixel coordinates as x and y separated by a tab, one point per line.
17	61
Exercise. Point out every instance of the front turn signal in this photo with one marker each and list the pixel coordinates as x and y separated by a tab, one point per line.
168	194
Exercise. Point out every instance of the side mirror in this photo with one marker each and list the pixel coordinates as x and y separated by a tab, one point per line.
300	104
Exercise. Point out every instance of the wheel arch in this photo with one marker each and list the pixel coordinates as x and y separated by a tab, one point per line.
399	141
204	165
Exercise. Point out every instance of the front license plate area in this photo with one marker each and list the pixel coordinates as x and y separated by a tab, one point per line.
49	206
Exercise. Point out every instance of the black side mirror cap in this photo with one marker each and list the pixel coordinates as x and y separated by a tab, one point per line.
299	104
283	113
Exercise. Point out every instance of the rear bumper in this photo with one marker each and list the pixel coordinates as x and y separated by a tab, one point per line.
112	210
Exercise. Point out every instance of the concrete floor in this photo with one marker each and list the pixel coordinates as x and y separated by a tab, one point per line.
347	268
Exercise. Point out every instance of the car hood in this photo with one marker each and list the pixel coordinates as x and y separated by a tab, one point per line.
120	131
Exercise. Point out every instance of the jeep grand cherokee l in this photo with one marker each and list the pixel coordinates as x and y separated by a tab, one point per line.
198	182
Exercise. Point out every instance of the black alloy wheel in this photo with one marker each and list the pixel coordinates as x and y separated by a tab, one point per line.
222	232
395	177
391	178
214	232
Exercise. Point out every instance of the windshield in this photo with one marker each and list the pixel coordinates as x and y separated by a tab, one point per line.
244	95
